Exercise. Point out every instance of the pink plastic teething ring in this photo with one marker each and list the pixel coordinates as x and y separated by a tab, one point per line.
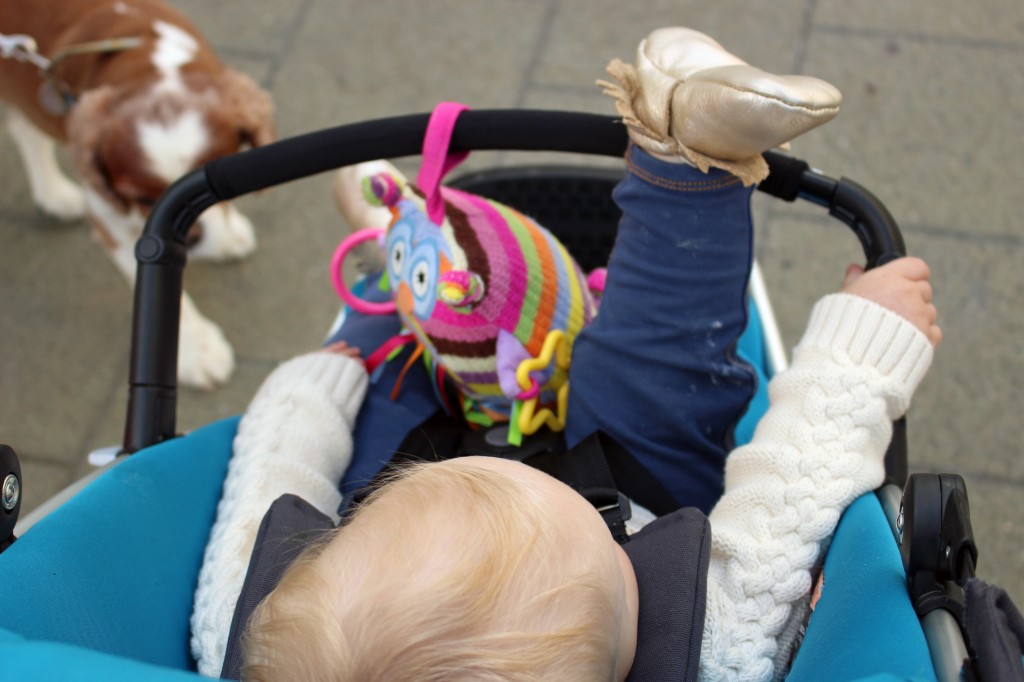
356	303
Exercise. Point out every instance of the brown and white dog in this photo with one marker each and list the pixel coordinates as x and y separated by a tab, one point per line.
137	118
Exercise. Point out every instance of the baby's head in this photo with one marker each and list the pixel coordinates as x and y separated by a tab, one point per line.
473	568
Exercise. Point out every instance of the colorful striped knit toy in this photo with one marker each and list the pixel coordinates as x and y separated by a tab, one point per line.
491	296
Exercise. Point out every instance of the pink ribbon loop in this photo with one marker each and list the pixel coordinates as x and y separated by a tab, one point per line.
437	160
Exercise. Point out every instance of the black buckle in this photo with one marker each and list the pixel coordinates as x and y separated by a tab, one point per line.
615	514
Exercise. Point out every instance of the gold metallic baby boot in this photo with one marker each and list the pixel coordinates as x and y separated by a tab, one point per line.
687	96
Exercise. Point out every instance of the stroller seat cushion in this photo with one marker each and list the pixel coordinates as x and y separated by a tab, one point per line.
44	661
670	557
864	623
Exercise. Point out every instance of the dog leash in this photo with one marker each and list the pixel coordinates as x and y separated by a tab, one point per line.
55	95
22	48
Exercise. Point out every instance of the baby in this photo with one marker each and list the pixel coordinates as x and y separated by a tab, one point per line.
482	568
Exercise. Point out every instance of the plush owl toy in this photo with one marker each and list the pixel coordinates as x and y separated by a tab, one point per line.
490	296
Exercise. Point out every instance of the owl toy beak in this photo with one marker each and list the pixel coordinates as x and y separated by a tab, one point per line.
404	299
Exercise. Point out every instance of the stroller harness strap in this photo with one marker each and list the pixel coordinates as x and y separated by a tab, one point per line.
670	557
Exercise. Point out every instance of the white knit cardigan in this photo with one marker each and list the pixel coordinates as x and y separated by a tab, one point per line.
819	447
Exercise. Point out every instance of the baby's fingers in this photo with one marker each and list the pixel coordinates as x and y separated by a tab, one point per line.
933	331
911	268
925	317
342	348
925	288
854	271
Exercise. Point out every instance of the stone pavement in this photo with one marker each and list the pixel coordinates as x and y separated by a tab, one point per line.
934	99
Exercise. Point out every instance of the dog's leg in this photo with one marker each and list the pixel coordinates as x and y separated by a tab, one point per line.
205	358
52	191
226	234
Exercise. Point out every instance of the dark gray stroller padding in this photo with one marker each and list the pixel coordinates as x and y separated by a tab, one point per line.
670	557
288	527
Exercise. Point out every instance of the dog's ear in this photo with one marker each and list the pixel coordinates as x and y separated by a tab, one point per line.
86	124
246	103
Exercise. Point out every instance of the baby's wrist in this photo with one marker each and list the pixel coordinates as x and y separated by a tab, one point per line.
869	334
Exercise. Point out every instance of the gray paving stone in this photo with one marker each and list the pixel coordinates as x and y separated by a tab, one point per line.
585	34
41	480
962	415
986	20
979	369
245	26
65	321
390	58
933	128
279	301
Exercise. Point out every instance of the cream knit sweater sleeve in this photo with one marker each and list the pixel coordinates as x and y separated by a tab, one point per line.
295	437
820	446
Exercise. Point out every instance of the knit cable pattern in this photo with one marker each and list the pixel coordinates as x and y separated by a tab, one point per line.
820	446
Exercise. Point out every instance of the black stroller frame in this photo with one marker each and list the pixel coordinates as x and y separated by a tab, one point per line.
929	514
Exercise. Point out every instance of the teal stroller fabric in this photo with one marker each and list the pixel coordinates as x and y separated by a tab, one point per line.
114	569
864	622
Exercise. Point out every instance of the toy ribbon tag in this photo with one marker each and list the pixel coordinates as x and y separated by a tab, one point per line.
437	160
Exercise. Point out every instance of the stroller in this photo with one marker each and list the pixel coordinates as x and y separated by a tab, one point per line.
101	584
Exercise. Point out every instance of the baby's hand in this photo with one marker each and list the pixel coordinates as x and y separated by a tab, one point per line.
901	286
342	348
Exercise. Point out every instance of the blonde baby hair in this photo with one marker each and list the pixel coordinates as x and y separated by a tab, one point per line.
448	572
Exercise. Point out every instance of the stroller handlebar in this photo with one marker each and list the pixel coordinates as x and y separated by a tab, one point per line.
161	252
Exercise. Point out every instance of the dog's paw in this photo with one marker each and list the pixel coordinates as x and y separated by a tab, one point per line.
205	358
61	198
226	234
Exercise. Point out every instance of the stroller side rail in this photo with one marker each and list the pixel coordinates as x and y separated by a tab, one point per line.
161	251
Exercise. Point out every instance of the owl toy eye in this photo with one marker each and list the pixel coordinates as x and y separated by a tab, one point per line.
420	279
398	248
396	260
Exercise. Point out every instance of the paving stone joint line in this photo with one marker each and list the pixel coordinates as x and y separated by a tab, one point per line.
923	38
